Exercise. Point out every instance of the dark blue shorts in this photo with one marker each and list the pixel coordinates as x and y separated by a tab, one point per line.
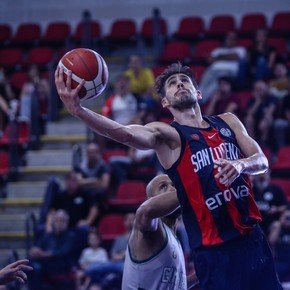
244	263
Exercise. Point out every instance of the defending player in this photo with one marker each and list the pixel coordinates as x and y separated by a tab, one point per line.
208	159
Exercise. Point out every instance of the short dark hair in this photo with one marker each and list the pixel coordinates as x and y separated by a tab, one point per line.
172	69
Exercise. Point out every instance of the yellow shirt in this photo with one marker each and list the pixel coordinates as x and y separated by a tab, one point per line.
141	84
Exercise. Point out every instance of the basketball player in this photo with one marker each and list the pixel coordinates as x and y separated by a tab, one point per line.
154	259
15	272
209	160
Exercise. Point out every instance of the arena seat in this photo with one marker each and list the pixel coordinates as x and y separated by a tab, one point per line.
19	134
243	98
281	24
111	226
176	51
41	56
198	71
122	30
158	69
11	58
27	34
147	28
5	34
4	164
245	42
108	154
190	28
56	33
129	194
18	79
250	23
220	25
284	184
279	43
94	30
203	49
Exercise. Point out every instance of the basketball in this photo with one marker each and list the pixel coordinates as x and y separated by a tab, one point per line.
88	65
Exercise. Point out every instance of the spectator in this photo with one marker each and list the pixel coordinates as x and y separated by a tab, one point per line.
34	98
270	199
141	78
94	254
282	125
223	99
279	239
95	173
122	106
115	266
261	56
52	255
260	112
228	60
280	83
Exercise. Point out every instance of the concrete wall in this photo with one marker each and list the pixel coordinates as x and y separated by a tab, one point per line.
43	12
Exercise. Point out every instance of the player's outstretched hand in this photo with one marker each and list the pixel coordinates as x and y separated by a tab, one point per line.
228	171
68	95
15	272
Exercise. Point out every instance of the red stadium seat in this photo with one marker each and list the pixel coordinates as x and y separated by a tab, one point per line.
251	22
284	184
281	24
175	51
27	34
198	70
147	28
220	25
56	33
16	133
94	30
5	33
111	226
279	44
41	56
4	163
190	28
129	194
108	154
245	42
18	79
11	57
123	30
244	98
203	49
283	159
157	70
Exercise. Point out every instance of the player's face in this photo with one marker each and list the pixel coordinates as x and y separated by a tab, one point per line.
180	93
164	185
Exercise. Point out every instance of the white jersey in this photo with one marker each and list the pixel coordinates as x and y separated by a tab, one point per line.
163	271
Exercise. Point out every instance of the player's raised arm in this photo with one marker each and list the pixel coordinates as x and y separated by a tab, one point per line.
142	137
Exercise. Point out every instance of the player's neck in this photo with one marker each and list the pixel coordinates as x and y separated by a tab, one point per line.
191	117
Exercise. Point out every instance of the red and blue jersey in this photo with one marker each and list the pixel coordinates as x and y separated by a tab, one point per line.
212	212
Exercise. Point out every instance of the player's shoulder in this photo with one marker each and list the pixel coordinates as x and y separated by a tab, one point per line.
229	118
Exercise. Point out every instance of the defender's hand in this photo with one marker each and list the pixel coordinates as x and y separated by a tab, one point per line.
228	170
68	95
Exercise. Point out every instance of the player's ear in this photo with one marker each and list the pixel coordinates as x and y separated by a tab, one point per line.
198	94
164	102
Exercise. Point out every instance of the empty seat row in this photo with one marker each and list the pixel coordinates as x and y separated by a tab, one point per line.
124	29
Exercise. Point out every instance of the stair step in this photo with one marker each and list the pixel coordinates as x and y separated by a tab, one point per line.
14	239
62	142
20	205
67	127
42	173
12	222
26	189
49	158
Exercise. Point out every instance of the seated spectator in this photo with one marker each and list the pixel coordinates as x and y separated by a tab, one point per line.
270	198
34	98
94	254
141	78
260	112
228	60
80	206
95	173
280	83
223	99
279	239
282	125
52	255
99	272
261	56
122	106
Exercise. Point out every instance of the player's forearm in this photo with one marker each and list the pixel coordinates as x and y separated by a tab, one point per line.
255	164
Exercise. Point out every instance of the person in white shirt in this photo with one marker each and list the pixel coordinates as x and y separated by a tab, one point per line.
225	61
154	259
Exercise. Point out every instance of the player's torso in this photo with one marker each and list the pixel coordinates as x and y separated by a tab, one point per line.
164	271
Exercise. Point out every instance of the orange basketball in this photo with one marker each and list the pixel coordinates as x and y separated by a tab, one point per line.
88	65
